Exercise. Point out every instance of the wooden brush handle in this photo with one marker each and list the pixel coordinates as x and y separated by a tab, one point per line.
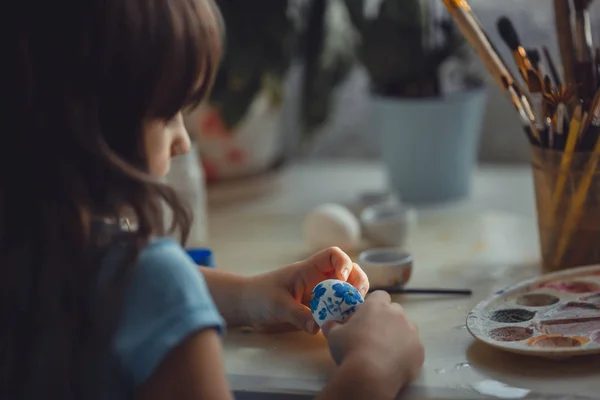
562	17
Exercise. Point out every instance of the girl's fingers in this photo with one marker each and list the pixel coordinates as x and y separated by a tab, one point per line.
297	314
331	262
328	327
359	279
380	296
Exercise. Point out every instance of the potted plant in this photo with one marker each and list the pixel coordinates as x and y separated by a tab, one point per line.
238	130
427	101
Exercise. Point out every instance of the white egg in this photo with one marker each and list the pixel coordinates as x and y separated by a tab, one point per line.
331	225
334	300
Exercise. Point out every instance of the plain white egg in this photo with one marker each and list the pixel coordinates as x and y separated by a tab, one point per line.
331	225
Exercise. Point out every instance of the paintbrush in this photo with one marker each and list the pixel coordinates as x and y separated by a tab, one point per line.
584	124
583	31
548	110
562	19
529	67
577	203
561	118
547	85
562	95
534	58
552	67
509	35
592	127
584	65
527	107
547	94
532	79
597	67
536	91
594	111
530	128
536	62
472	31
403	290
567	156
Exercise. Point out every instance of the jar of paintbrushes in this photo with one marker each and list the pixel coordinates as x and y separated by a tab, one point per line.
558	104
567	189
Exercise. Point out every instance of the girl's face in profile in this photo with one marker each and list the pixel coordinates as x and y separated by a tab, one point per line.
164	140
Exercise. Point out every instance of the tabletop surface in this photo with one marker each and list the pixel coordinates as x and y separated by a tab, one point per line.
484	243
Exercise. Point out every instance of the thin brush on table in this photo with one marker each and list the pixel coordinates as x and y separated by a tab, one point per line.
403	290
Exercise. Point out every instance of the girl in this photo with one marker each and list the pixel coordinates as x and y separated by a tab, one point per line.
92	310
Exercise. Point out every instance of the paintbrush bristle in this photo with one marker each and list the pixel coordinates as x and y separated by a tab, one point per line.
534	82
534	57
508	33
560	94
547	84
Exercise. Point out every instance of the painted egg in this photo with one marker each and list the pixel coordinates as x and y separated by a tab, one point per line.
334	300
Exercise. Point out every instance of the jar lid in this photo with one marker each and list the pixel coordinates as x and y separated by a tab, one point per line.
202	257
385	257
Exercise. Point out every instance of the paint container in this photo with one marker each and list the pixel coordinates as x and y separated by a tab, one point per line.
371	198
511	333
387	225
386	267
202	257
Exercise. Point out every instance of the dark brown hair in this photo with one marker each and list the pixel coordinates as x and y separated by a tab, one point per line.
82	78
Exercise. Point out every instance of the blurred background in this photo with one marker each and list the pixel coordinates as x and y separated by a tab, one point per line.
501	139
317	40
380	80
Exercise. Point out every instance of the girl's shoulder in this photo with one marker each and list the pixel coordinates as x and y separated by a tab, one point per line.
164	255
165	301
160	257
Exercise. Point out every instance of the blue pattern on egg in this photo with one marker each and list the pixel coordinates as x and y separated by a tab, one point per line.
334	300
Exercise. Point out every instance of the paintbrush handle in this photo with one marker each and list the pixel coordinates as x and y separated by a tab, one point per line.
402	290
562	18
472	31
474	34
566	159
577	204
464	292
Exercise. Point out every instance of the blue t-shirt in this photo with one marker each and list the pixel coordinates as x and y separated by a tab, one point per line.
166	301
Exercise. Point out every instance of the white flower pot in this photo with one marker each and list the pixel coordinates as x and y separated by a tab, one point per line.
429	146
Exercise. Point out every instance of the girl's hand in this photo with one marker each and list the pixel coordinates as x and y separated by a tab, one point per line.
379	347
278	300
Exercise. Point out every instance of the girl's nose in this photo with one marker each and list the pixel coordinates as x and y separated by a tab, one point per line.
182	143
185	143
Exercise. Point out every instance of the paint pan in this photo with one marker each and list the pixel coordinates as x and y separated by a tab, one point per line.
572	286
594	298
511	333
552	316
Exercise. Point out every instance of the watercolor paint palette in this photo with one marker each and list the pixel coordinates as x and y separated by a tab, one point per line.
555	315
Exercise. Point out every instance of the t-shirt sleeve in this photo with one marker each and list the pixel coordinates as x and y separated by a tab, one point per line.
167	301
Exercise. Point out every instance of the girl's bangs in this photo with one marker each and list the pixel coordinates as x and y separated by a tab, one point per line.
191	36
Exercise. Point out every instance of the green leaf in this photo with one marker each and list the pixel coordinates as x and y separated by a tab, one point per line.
396	49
